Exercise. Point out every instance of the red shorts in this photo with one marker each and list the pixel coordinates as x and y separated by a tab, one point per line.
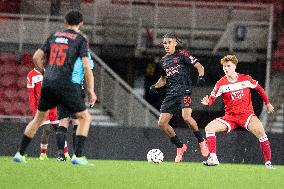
52	117
235	121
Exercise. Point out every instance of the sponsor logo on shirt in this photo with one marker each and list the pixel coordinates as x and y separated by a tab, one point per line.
172	70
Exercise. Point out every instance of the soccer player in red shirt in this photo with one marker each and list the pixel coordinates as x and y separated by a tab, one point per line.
34	83
235	90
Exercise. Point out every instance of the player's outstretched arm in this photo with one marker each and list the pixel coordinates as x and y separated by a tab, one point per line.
161	82
270	108
205	101
263	95
89	81
200	69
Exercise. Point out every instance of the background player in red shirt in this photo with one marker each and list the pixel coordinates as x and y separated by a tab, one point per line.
175	75
34	83
235	90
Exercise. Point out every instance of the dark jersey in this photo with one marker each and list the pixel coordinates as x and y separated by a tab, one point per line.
62	50
176	68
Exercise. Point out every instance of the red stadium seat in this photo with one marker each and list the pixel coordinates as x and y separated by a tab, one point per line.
7	57
23	70
10	94
27	59
23	95
22	83
8	68
8	80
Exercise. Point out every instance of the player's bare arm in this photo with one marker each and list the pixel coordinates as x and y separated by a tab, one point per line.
89	81
38	59
199	68
161	82
270	108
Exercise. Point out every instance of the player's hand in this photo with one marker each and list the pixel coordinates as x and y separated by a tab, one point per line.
270	108
205	100
201	81
153	90
92	99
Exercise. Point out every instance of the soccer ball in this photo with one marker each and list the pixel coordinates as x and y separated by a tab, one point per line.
155	156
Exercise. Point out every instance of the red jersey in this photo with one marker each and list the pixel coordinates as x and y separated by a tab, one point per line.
236	95
34	82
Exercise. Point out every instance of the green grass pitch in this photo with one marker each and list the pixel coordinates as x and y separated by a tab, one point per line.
136	174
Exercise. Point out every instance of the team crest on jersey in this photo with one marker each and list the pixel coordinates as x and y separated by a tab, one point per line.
175	60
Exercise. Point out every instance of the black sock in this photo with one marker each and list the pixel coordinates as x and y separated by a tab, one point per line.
175	140
199	136
74	136
24	144
80	145
60	138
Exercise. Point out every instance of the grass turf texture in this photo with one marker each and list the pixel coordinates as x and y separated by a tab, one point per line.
135	174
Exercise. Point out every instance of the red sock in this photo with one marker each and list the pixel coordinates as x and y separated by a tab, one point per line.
43	148
211	142
265	148
65	148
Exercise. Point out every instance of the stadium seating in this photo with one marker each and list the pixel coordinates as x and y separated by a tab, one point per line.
9	6
13	91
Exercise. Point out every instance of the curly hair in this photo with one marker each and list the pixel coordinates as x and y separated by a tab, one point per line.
228	58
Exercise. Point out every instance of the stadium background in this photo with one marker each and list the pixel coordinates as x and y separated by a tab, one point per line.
125	37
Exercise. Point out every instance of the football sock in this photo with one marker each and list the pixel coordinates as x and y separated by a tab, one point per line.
80	145
265	148
24	144
43	148
61	138
175	140
211	142
199	136
74	135
65	147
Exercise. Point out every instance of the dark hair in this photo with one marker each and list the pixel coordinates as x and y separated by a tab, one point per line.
172	35
73	18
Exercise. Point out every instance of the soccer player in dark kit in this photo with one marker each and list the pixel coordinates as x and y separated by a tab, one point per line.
62	49
175	75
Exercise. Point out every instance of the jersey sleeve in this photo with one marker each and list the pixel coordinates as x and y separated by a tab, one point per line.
84	48
251	83
188	58
216	92
30	82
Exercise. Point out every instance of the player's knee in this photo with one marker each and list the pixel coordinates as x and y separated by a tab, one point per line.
84	116
209	128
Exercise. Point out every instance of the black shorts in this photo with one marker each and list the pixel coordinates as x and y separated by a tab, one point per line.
172	104
64	113
67	95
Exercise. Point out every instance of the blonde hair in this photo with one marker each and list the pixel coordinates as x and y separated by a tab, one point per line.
228	58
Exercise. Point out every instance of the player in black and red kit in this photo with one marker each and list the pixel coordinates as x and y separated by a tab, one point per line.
176	76
62	50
